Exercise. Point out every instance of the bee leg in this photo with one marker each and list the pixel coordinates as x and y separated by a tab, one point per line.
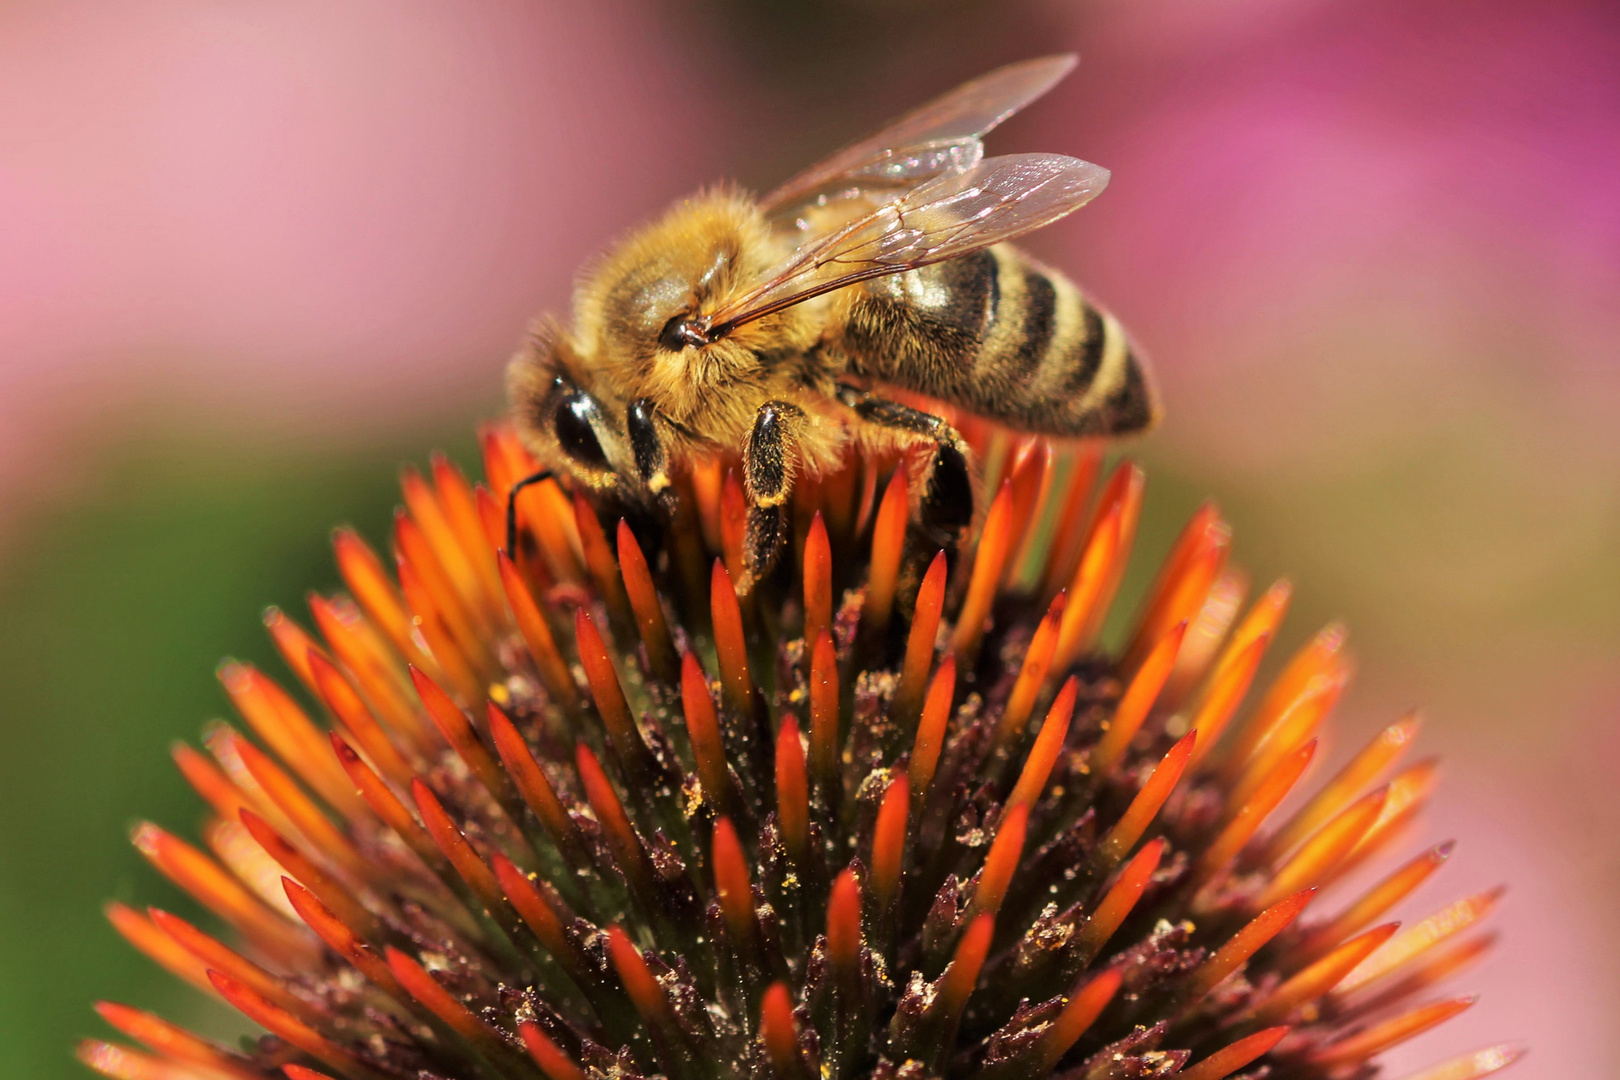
652	460
946	506
511	507
768	477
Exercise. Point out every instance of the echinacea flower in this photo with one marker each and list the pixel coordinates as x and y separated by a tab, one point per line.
589	812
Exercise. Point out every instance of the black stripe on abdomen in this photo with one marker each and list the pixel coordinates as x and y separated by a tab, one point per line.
1027	354
1088	357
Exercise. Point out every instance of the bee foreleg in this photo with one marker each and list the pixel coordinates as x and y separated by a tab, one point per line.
768	467
511	507
647	446
946	506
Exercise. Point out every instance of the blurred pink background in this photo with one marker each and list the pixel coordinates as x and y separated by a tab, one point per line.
1374	249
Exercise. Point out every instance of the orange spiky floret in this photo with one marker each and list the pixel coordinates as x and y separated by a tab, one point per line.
915	815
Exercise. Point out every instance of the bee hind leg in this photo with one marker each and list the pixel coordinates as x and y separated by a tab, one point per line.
946	505
768	466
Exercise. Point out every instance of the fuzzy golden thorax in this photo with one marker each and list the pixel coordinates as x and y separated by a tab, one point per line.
704	252
620	349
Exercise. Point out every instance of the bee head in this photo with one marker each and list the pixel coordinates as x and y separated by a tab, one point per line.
571	426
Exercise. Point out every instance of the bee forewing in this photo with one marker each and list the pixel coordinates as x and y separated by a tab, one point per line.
952	215
939	137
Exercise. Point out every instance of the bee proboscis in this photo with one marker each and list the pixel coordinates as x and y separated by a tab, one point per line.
775	326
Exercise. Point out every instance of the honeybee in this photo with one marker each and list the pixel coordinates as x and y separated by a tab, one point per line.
774	326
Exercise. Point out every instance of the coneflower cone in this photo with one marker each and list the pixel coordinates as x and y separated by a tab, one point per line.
592	813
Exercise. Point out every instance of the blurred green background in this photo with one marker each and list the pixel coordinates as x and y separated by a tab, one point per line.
256	260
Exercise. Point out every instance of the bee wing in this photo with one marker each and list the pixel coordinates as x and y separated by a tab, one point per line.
939	137
951	215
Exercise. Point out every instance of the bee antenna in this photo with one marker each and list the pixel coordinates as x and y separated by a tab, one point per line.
511	508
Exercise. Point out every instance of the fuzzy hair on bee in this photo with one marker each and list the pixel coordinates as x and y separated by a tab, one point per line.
782	327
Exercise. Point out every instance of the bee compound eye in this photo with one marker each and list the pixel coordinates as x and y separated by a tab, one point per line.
575	434
672	337
684	331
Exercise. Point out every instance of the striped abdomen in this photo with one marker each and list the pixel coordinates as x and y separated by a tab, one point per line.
1001	336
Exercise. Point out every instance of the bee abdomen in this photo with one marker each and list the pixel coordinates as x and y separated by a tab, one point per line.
1004	337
